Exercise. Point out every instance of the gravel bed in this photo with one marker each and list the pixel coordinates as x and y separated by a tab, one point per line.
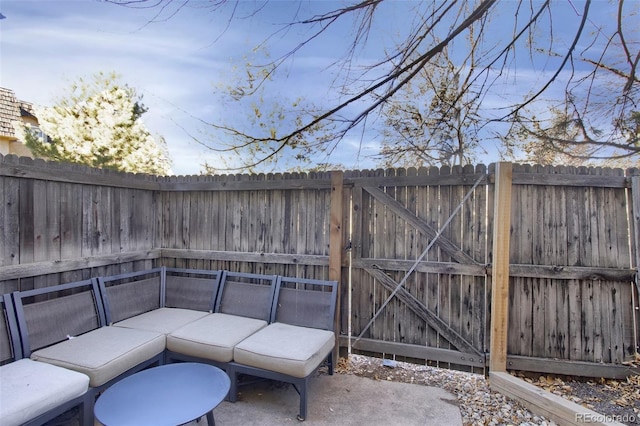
480	406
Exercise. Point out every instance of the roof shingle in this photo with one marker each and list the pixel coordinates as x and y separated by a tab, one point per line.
11	110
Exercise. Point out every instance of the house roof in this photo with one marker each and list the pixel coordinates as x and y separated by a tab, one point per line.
12	109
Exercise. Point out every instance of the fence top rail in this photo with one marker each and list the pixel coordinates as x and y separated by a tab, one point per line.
28	168
523	174
195	184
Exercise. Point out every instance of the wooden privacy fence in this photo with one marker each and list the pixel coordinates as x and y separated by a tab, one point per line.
572	296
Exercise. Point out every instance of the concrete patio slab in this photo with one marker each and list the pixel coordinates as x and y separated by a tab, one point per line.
340	399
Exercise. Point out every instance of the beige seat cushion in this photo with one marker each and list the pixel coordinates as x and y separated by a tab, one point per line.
288	349
29	389
213	337
163	320
105	353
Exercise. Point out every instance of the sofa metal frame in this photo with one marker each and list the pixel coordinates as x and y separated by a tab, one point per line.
13	336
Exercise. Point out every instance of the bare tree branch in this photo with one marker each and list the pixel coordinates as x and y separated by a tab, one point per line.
585	65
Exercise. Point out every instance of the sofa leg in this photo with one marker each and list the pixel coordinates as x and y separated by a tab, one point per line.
302	390
233	387
86	410
330	363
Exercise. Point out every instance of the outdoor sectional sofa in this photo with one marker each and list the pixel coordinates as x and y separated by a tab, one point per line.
107	328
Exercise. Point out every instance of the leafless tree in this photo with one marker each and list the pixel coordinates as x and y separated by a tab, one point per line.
596	65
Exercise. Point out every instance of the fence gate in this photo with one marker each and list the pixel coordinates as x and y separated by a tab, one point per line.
439	313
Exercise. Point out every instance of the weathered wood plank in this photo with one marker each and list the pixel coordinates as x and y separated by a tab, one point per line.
629	303
445	244
547	244
11	222
414	351
104	230
365	283
70	221
416	306
389	233
40	213
275	220
232	184
479	253
4	197
378	291
116	221
336	227
126	213
563	307
555	179
41	170
444	255
359	245
335	244
411	328
423	266
249	257
456	195
433	279
574	214
141	221
635	228
26	224
419	244
544	403
500	277
302	236
519	178
467	238
33	269
192	228
431	179
521	295
597	330
570	368
490	221
215	221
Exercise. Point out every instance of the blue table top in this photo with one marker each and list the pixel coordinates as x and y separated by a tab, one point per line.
171	394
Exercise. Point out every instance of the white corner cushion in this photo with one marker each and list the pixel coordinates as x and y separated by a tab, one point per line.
288	349
214	336
29	389
163	320
104	353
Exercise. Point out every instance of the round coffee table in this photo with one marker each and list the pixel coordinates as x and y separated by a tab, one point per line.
170	394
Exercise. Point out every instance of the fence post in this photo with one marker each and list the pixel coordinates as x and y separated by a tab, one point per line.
500	268
335	247
635	199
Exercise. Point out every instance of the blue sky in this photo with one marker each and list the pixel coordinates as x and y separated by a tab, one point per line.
177	65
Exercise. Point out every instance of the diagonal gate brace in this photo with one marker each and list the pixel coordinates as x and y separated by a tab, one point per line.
441	241
424	313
